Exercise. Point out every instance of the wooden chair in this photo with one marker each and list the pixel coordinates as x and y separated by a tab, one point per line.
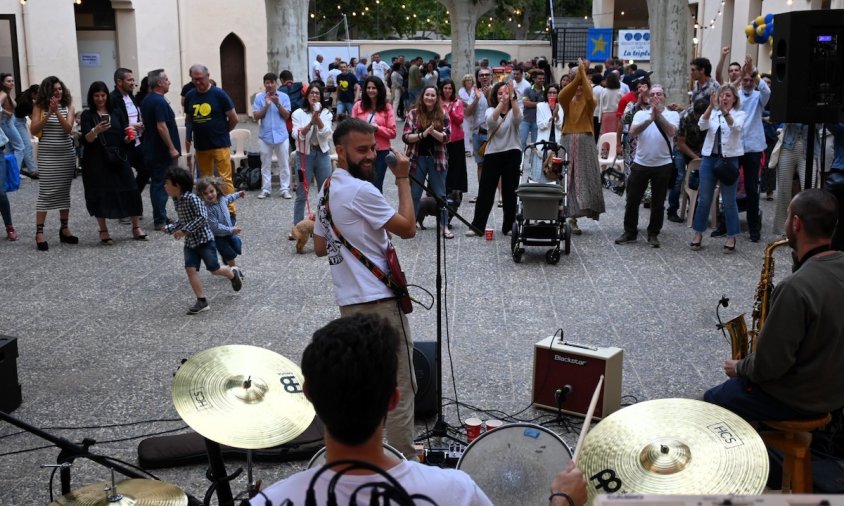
793	438
689	197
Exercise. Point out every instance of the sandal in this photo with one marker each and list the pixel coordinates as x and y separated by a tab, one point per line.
140	236
448	234
729	250
108	241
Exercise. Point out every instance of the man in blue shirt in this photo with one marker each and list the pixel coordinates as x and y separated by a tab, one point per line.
753	96
211	112
161	145
272	108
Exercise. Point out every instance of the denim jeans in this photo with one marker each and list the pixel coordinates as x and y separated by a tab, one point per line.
228	246
426	167
15	145
478	139
705	194
157	195
751	403
5	208
674	194
26	137
317	164
527	130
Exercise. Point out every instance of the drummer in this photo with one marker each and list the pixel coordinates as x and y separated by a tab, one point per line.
352	398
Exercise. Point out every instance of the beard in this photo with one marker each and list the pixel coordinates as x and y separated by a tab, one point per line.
360	173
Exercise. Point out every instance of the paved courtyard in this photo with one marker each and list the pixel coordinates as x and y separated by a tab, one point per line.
101	330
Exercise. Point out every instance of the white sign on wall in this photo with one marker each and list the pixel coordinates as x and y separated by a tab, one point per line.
634	45
89	59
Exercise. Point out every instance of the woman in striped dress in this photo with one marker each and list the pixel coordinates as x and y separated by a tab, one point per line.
52	120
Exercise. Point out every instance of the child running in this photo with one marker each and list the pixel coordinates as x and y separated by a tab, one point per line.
225	233
199	240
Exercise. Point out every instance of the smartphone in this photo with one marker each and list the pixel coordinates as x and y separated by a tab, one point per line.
105	119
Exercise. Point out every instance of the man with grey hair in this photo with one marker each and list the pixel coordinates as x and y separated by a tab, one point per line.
161	145
211	113
655	127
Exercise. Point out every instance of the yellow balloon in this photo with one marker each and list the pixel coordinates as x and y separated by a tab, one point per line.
751	40
760	20
760	30
749	30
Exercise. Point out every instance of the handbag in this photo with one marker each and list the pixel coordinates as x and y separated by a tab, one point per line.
13	174
482	149
775	154
115	157
726	170
394	279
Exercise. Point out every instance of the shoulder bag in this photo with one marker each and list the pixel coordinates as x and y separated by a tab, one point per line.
394	279
482	149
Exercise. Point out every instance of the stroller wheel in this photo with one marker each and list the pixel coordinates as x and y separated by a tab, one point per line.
552	256
515	249
517	254
566	239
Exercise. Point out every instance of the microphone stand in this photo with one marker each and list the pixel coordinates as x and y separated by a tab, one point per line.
440	426
71	451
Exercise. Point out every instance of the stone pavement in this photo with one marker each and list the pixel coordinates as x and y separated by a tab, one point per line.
101	330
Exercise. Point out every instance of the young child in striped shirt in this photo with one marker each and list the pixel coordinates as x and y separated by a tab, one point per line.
220	220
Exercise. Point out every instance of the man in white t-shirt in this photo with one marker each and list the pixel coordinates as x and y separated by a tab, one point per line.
316	69
363	217
655	127
340	379
380	69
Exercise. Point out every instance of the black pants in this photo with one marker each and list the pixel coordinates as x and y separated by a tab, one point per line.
136	160
504	166
750	163
637	183
838	236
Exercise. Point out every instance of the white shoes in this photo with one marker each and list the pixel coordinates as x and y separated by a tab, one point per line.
263	195
285	194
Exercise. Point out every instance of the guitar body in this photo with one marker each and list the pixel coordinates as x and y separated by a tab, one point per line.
398	278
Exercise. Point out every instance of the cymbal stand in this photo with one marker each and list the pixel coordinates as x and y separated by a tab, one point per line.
216	474
440	426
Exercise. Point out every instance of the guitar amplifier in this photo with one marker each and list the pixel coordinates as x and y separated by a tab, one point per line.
558	364
10	389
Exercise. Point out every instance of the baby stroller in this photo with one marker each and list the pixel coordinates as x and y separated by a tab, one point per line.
542	207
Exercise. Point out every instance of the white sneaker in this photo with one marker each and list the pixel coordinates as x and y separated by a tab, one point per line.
285	194
263	195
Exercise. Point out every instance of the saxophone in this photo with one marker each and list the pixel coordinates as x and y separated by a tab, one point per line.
743	341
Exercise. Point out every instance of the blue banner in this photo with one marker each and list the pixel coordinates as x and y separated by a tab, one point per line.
598	44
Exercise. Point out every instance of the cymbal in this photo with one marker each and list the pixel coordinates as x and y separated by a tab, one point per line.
134	492
242	396
673	446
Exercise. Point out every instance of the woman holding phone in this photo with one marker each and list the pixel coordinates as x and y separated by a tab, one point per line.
110	189
374	108
549	122
312	130
52	120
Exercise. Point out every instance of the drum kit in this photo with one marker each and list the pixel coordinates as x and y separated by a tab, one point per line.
665	446
236	395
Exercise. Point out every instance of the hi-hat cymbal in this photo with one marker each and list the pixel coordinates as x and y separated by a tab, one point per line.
673	446
134	492
242	396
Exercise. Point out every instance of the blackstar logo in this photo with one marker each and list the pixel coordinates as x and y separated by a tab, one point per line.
569	360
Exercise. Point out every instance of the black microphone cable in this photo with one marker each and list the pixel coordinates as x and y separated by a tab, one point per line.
724	301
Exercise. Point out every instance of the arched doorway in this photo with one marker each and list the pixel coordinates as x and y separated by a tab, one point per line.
233	64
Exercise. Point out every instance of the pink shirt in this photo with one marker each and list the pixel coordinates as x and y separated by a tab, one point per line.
455	119
385	121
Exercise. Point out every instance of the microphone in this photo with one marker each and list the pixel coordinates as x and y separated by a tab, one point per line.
391	160
724	301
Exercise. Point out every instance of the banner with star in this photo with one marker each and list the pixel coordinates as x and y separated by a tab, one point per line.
598	44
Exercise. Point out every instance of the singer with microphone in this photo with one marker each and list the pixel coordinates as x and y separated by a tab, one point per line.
353	219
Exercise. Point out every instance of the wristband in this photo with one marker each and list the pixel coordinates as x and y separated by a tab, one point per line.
561	494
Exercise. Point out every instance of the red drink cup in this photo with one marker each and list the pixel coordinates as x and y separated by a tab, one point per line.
130	133
473	428
552	101
489	234
493	424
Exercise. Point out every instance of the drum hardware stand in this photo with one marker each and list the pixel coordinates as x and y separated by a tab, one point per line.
440	426
112	495
216	474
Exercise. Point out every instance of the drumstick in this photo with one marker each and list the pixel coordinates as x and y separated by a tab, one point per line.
588	419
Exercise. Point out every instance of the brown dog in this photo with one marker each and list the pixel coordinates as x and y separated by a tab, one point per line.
302	231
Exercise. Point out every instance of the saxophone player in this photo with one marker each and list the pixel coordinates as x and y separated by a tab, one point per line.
796	370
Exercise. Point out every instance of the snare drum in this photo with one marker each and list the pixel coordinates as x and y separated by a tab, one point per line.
318	460
515	463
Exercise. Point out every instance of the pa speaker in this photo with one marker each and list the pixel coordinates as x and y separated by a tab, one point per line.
425	366
565	376
10	389
806	67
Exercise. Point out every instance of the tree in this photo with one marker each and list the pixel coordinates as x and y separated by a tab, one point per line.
287	37
464	15
670	22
